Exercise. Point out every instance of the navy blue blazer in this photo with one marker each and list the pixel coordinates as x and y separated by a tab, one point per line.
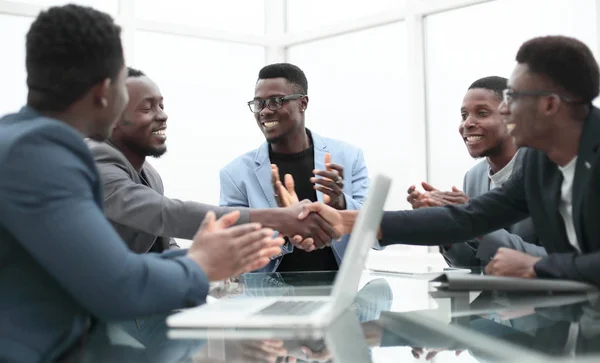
62	265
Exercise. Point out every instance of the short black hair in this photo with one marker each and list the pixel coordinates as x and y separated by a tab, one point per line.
292	73
493	83
566	61
132	72
69	49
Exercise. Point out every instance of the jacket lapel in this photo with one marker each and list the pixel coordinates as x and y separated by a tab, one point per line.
262	172
587	155
551	183
320	151
484	181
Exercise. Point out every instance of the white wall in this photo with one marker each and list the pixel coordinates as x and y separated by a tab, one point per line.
206	85
466	44
12	65
361	98
388	76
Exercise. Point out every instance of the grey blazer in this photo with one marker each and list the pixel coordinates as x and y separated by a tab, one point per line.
520	236
142	214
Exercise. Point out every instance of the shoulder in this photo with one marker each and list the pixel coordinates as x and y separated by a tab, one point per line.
339	145
105	153
240	163
477	170
18	136
53	153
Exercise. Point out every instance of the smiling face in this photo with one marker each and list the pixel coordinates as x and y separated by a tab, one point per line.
279	124
143	124
482	128
525	117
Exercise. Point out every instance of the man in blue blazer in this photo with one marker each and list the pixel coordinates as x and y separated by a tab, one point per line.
63	267
279	105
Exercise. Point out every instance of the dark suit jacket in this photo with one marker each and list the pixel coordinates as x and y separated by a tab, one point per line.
533	191
142	214
519	236
62	265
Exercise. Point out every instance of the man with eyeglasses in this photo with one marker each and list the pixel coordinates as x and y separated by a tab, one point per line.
322	169
548	108
485	135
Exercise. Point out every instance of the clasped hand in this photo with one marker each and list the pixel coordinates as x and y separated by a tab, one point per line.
331	184
432	197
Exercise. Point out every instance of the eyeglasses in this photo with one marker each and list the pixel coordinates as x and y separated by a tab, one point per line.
509	95
272	103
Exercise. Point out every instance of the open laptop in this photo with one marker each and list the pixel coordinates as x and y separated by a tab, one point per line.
307	312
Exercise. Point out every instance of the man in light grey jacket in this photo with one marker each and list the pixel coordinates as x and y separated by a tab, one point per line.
485	135
134	200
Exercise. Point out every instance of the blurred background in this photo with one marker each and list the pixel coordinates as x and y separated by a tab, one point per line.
385	75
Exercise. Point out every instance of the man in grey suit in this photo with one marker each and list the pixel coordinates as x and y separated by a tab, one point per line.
63	268
485	136
134	198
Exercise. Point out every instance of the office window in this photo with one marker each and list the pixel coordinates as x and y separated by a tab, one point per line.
482	40
206	85
13	92
358	94
311	14
109	6
247	16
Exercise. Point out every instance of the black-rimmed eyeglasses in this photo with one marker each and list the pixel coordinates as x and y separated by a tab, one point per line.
509	95
272	103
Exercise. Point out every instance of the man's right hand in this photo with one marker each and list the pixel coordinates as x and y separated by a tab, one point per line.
224	251
286	196
315	230
331	215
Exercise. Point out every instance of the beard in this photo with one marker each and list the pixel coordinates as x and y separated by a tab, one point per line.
153	151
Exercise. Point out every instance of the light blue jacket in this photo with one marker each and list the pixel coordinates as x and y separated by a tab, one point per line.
246	182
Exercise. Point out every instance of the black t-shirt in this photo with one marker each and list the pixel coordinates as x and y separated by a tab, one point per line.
301	166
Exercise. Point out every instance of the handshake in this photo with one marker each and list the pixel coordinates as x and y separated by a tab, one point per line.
224	249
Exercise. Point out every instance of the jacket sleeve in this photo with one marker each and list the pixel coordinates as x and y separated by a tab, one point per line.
570	266
489	244
449	224
462	254
140	207
230	195
477	251
49	208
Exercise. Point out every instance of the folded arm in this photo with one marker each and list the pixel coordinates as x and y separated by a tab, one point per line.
49	208
571	266
490	243
140	207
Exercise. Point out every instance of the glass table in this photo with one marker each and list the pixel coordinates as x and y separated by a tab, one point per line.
394	318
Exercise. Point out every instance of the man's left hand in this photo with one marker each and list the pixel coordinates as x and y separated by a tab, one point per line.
508	262
456	196
331	184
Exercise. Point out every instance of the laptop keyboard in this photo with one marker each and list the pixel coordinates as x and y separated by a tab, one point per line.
291	308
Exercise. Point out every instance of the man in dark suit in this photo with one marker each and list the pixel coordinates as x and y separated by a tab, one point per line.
62	265
134	200
486	136
548	108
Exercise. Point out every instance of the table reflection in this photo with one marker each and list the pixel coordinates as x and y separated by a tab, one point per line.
391	319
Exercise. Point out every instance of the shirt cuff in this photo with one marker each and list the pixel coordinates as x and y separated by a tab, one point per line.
244	216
